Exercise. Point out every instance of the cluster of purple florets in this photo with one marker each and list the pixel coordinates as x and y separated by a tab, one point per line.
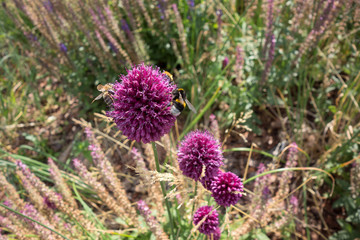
141	103
200	158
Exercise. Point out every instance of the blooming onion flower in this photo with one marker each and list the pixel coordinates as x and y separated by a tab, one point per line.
226	189
142	104
211	223
197	151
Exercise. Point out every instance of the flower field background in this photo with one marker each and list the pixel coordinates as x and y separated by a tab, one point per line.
276	88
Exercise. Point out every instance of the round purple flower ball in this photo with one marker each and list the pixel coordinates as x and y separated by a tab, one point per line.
211	223
226	189
198	150
142	104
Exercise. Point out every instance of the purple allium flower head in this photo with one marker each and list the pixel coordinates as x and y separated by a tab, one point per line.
226	189
199	150
211	224
141	104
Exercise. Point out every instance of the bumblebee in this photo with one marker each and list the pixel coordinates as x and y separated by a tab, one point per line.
179	100
107	92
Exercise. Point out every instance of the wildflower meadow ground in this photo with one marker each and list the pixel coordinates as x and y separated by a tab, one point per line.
164	119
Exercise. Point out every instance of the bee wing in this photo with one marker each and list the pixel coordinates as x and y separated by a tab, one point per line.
97	98
192	108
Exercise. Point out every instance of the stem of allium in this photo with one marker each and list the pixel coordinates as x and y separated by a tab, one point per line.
163	190
195	191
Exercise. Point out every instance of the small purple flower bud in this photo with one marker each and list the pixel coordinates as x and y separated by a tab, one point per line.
294	201
227	189
199	150
48	6
225	62
211	224
63	47
266	193
50	204
191	3
124	25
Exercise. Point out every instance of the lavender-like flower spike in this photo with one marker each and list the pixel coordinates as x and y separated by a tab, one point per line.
102	192
211	222
197	151
141	104
60	183
151	221
17	230
227	189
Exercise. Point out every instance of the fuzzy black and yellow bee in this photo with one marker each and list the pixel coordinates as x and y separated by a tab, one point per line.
179	100
107	91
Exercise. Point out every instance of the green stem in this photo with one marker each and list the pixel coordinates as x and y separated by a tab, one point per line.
18	213
163	189
193	207
291	169
305	212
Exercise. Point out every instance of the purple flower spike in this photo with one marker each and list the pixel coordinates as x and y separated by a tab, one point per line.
199	150
142	104
226	189
211	224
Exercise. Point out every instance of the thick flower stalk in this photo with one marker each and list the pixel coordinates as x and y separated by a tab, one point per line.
226	189
197	151
142	104
211	222
151	221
